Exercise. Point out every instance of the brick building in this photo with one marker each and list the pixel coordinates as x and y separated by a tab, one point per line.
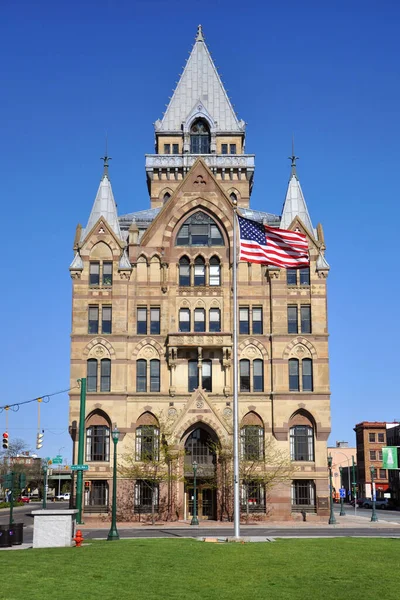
370	439
152	324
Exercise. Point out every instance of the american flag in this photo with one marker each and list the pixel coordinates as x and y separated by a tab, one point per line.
271	246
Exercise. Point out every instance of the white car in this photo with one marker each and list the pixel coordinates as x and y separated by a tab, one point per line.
66	496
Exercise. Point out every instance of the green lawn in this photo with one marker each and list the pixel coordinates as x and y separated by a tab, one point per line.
340	569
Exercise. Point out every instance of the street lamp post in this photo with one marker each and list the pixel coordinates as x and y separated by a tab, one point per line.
374	516
332	520
194	520
342	513
113	533
59	473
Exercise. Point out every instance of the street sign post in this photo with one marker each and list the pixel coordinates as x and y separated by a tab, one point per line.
79	467
342	492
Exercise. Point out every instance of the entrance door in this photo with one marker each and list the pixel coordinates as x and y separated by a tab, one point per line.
205	501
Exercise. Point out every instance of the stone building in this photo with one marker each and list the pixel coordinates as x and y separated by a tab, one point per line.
370	439
152	325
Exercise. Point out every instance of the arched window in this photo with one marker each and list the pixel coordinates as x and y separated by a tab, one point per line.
301	442
200	137
307	375
294	375
184	320
258	375
244	369
105	382
215	271
199	271
233	197
147	438
141	375
92	375
199	320
215	320
98	443
252	442
184	271
199	230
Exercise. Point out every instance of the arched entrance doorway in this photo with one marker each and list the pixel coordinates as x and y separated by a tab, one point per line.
200	446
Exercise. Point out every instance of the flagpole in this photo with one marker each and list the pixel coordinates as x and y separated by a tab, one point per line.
236	502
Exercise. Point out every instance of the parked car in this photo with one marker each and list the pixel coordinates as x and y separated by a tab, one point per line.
382	504
24	499
360	502
64	497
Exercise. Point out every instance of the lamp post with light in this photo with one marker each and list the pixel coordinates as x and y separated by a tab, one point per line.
332	520
113	533
342	513
374	516
194	520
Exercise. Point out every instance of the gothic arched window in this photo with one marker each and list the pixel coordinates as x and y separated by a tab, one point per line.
200	138
199	230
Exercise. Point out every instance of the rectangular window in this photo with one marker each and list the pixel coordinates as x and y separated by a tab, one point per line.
98	443
183	240
94	273
175	148
107	273
244	321
257	320
305	312
372	455
215	320
382	473
371	437
193	375
206	372
142	321
105	381
244	382
305	276
146	495
224	148
92	375
232	148
258	376
184	320
252	442
155	321
199	235
154	375
253	497
106	319
141	376
380	455
93	326
292	319
167	148
303	495
291	276
381	438
199	320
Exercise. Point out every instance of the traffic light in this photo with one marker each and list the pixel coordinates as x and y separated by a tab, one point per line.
5	440
39	440
22	481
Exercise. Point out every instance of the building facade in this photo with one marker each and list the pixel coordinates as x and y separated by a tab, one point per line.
152	320
343	458
370	439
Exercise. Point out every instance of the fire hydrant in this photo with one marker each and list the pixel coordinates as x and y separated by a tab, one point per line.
78	539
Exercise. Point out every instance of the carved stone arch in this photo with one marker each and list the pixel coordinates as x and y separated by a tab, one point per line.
200	303
109	351
251	352
184	304
143	258
115	250
147	418
252	418
166	190
235	191
302	417
155	258
201	254
217	212
215	303
216	254
98	417
147	342
256	344
199	112
187	427
308	349
184	255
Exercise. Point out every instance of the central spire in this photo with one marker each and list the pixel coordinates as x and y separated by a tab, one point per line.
199	36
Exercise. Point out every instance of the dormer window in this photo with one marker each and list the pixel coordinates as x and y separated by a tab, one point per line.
200	138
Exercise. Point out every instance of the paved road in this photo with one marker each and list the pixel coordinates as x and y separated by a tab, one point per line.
393	516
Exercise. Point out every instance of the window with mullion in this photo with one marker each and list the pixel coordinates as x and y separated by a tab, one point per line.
305	312
155	321
146	493
305	276
184	272
252	441
98	443
302	443
257	320
244	370
303	493
141	375
199	320
253	496
147	443
291	276
292	319
206	375
215	320
184	320
142	321
93	325
193	375
244	328
294	382
258	376
154	375
94	273
105	370
106	319
215	271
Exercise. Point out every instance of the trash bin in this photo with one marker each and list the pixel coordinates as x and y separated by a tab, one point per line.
5	539
16	534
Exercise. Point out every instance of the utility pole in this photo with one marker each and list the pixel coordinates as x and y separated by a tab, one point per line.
81	445
354	485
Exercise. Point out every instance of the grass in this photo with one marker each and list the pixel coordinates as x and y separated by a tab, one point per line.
166	569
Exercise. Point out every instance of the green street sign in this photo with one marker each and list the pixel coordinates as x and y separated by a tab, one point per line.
79	467
57	461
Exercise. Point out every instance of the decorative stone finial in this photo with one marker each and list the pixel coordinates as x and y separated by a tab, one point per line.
199	36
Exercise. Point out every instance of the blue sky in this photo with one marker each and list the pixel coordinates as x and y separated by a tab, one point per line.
327	72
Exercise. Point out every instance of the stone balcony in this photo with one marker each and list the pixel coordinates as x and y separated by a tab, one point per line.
203	340
214	161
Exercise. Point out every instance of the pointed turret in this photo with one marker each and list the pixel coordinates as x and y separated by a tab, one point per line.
104	205
200	89
295	204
